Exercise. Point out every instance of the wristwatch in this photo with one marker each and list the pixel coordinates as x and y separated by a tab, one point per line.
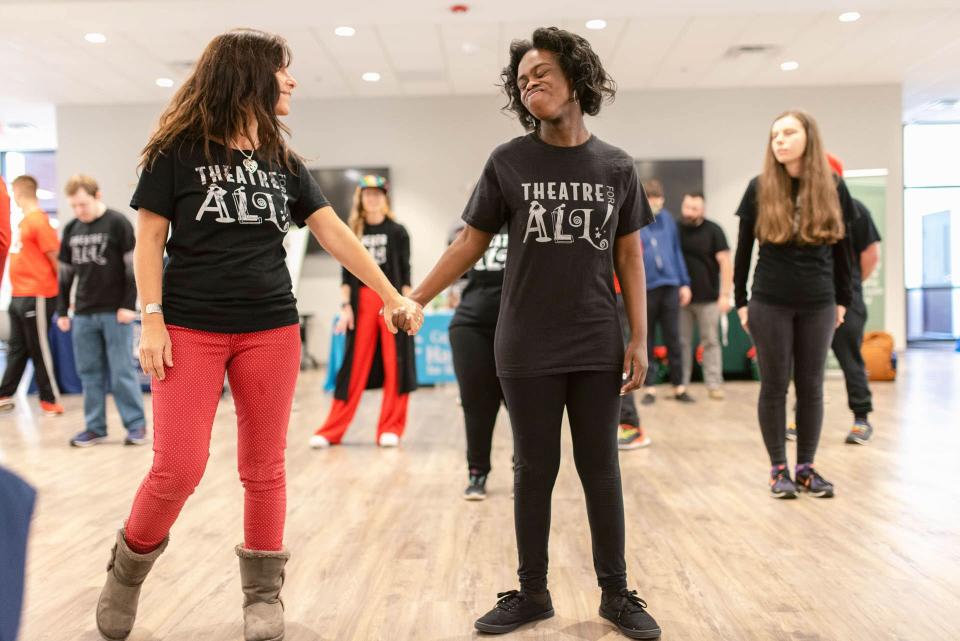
153	308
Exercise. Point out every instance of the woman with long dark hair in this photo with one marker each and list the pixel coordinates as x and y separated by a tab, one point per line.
799	212
574	208
374	358
219	177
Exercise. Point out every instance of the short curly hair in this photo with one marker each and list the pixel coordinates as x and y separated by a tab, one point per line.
591	83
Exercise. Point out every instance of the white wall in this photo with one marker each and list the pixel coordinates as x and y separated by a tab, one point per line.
435	148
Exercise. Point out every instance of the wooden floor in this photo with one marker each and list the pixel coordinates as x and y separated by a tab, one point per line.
385	548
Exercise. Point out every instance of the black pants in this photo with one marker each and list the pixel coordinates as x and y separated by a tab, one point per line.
628	405
784	335
30	319
846	345
480	395
663	308
536	412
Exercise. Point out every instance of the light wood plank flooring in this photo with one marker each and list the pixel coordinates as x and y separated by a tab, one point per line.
385	548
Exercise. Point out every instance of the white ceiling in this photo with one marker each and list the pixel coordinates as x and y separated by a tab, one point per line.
420	48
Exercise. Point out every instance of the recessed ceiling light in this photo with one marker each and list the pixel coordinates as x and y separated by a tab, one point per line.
596	24
849	16
371	76
789	65
95	38
469	48
345	32
164	82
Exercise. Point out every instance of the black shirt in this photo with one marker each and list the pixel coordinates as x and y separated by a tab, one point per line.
563	207
863	233
97	254
389	244
793	274
480	301
226	271
700	245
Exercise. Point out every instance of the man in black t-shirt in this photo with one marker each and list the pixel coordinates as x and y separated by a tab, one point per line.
707	255
97	252
848	338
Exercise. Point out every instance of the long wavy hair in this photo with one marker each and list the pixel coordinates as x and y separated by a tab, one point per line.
590	82
233	84
817	208
358	216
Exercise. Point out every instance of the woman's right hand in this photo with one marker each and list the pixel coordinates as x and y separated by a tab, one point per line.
345	321
742	313
156	350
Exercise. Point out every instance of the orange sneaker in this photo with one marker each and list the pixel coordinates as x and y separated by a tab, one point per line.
631	438
51	409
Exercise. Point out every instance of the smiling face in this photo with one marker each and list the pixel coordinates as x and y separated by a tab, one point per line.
373	200
788	140
286	83
544	89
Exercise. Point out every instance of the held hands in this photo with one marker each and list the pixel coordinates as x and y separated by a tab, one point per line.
841	315
345	321
634	367
685	296
403	315
156	351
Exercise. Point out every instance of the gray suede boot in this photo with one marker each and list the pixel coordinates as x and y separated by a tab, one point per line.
261	576
126	570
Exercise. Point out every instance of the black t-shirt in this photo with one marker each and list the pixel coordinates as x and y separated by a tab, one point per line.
94	253
700	245
480	301
562	206
863	233
226	271
792	274
389	245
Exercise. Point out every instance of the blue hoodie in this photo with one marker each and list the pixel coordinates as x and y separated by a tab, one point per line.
662	256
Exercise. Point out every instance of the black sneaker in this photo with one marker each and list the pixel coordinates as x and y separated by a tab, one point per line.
648	399
513	610
860	433
477	489
810	481
629	613
683	397
781	485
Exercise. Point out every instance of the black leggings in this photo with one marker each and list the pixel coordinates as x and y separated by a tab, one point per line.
663	307
480	393
536	412
783	335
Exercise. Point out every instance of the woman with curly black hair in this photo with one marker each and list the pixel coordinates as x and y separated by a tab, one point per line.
573	207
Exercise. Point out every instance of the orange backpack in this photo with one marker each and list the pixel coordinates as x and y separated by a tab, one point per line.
879	357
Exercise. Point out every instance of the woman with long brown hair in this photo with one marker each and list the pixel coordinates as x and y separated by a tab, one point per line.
799	212
375	224
219	176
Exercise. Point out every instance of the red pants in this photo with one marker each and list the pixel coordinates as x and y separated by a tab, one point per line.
262	368
369	327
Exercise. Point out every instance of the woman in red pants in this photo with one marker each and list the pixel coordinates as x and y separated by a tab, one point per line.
219	178
374	358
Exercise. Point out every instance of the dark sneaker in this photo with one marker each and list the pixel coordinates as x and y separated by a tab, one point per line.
791	431
136	437
87	439
781	485
631	438
810	481
629	613
513	610
683	397
477	489
648	399
860	433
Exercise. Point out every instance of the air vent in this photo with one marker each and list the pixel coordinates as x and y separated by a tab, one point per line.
20	126
183	65
944	104
423	75
740	51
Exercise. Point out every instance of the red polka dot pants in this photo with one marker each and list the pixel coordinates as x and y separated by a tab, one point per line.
262	368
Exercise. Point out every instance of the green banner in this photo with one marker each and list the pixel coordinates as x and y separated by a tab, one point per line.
871	190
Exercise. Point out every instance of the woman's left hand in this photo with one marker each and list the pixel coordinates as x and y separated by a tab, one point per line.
634	367
841	315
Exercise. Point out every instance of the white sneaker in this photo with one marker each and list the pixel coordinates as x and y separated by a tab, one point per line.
318	442
389	439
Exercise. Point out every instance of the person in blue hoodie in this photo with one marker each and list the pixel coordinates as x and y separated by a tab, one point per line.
668	289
